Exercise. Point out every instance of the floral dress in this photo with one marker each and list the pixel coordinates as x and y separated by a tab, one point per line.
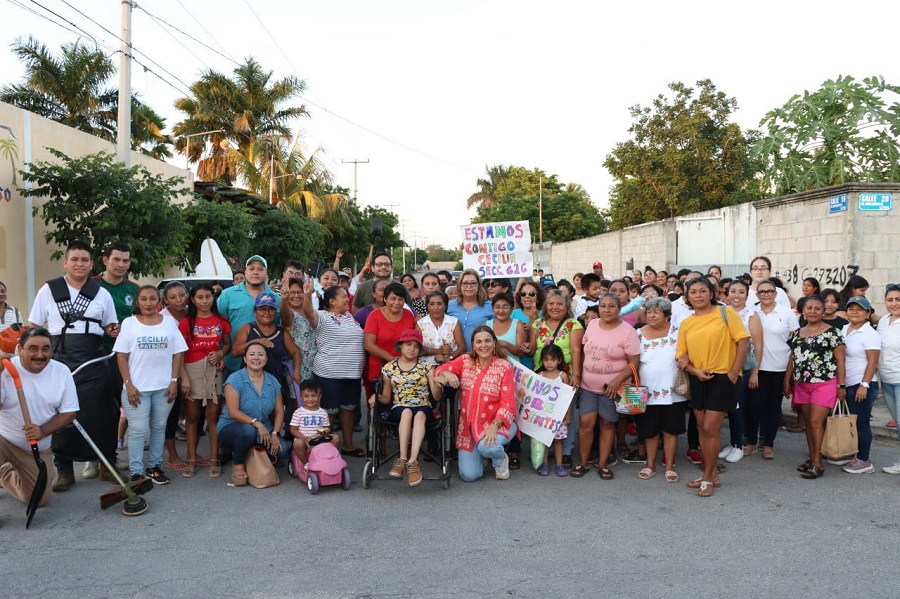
562	338
304	338
813	357
658	368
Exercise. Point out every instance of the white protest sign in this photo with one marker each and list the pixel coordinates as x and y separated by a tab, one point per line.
541	403
498	249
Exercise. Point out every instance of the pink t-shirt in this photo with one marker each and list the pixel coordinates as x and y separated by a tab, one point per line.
606	353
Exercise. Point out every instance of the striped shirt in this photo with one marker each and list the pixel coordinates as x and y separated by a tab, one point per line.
340	353
9	316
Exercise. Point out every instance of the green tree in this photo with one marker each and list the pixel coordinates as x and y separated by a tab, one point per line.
98	200
486	194
249	106
845	131
280	236
684	156
227	223
437	253
71	88
568	212
147	135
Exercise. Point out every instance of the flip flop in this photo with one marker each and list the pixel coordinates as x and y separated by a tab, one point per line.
671	476
357	452
579	471
646	474
176	467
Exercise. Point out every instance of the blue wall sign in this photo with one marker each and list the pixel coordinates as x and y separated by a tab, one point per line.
837	203
875	201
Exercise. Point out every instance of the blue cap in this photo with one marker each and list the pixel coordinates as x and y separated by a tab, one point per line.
861	302
265	300
256	258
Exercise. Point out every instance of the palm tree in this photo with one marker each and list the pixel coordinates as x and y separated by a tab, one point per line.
146	131
9	149
247	107
485	196
70	88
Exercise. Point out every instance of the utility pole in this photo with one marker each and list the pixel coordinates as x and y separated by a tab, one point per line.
390	208
355	162
123	135
402	248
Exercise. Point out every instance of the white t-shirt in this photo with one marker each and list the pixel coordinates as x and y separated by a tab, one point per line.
889	360
584	302
150	351
309	421
49	393
777	326
680	311
858	341
44	312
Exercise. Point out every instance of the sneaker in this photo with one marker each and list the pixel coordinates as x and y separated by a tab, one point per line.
64	482
841	461
413	474
398	469
612	461
858	466
502	471
895	469
768	453
561	471
892	424
543	470
724	453
136	477
122	464
157	476
749	449
91	470
695	456
735	455
634	458
567	461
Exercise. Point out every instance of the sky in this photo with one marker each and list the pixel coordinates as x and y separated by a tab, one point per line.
431	92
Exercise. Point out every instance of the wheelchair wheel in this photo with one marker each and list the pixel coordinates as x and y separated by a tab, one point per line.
446	476
367	475
313	483
345	479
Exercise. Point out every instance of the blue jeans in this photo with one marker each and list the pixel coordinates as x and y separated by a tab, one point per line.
152	413
471	464
863	411
568	443
239	438
892	398
736	418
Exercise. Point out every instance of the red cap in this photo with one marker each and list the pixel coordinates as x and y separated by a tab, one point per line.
598	265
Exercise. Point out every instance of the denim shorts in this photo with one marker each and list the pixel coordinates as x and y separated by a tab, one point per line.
599	403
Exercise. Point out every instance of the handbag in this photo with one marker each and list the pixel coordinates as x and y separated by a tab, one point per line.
260	468
632	399
841	439
681	385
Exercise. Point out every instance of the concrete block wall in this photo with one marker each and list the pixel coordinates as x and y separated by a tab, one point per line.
650	243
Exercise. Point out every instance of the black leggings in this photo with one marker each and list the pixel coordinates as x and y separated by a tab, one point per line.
764	408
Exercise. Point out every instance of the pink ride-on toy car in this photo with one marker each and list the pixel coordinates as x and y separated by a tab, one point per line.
326	466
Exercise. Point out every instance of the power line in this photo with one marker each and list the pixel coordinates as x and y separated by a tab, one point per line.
36	13
212	37
161	22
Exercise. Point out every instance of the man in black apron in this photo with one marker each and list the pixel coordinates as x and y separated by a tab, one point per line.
77	311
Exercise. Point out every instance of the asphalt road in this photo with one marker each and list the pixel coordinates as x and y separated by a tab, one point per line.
765	533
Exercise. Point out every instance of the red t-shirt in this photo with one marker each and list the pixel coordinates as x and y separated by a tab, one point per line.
207	336
386	335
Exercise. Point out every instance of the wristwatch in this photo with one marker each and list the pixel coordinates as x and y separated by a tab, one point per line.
864	385
842	386
254	421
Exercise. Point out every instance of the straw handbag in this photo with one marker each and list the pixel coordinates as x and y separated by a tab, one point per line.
632	399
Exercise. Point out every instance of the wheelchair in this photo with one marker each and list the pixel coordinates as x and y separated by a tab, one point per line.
439	433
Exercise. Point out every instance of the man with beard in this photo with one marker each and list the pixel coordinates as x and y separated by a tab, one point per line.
52	403
77	311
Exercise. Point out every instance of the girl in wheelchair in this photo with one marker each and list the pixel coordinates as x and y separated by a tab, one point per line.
408	385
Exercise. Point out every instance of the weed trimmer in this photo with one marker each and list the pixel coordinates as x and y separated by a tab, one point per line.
41	484
130	492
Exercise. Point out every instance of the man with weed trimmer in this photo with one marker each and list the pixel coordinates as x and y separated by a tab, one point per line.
50	403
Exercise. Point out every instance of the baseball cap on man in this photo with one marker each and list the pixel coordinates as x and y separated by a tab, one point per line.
597	264
256	258
265	300
861	302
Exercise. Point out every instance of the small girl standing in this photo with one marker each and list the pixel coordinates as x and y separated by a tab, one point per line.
149	350
551	360
208	340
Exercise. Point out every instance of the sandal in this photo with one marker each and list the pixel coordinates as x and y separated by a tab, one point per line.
202	462
606	474
695	484
215	469
173	466
579	471
190	468
804	466
514	463
813	473
646	473
706	489
239	478
671	476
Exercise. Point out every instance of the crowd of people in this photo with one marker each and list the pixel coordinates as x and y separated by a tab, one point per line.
276	362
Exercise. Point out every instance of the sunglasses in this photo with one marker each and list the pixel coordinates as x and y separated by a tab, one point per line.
892	287
527	293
